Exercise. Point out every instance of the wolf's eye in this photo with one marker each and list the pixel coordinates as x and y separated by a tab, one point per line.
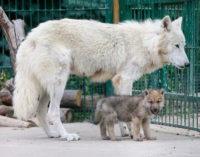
151	102
177	46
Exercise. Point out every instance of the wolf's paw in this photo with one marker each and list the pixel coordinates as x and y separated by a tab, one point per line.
138	139
125	134
131	136
76	137
105	138
53	134
71	137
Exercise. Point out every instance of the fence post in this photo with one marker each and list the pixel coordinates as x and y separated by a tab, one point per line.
115	3
115	11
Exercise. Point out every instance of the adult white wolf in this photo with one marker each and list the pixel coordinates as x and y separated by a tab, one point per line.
120	52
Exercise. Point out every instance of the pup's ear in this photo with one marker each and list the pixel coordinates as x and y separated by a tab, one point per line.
178	22
166	23
162	91
146	92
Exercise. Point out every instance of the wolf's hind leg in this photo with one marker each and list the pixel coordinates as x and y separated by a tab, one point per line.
110	129
136	129
55	89
54	112
42	116
103	130
130	129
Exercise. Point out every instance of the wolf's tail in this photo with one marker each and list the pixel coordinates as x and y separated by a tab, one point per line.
98	111
27	89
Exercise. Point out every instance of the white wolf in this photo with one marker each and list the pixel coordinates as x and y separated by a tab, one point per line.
120	52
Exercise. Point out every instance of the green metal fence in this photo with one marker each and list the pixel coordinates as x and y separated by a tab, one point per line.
34	12
182	105
182	87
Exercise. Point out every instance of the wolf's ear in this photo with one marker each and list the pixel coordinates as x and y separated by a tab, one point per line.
162	91
178	22
166	23
146	92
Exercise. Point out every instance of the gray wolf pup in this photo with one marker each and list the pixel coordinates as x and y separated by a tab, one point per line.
119	52
137	109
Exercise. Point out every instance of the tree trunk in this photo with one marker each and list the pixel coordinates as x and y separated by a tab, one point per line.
14	33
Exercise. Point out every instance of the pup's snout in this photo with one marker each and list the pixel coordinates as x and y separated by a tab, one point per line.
154	110
187	64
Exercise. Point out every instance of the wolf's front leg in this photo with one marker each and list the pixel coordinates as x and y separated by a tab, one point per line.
130	129
123	86
146	129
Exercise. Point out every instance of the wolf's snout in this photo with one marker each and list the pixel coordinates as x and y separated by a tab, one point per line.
187	64
154	110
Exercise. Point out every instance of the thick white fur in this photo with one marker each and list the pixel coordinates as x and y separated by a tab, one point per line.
121	52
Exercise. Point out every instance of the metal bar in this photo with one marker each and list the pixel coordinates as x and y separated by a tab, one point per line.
115	11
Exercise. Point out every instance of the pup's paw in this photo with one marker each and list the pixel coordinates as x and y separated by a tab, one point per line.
53	134
151	138
71	137
105	138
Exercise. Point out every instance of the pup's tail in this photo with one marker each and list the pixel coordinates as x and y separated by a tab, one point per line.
97	116
27	89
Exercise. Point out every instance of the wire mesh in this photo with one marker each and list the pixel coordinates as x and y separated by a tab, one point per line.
182	86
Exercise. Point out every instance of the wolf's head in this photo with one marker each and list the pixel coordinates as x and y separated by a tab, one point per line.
154	100
172	42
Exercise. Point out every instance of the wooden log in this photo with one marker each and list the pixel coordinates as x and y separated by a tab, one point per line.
5	97
11	122
71	98
66	115
4	110
9	84
92	101
6	92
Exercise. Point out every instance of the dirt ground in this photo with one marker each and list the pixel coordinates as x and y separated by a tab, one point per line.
32	142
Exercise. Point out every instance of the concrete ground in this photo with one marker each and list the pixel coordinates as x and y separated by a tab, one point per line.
32	142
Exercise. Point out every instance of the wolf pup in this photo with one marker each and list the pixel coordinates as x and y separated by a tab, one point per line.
137	109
